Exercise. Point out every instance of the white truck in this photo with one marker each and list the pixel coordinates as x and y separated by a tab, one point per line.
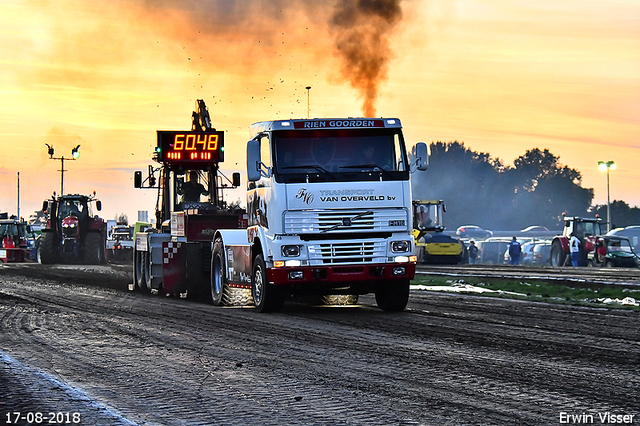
329	213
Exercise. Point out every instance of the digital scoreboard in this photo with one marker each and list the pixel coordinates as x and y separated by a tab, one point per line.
190	147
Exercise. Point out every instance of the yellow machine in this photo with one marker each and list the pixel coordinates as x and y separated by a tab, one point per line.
432	245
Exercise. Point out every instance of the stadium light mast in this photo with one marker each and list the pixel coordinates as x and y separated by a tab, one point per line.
75	154
607	165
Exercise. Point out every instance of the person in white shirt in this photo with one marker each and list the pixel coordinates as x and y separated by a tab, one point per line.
574	245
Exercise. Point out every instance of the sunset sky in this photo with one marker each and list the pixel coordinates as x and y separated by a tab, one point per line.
501	76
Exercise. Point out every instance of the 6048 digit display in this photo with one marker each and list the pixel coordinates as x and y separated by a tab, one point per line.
191	147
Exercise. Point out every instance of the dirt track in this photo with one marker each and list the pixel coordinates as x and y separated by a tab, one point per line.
84	344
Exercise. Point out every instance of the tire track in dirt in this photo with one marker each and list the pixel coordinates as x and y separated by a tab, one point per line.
447	360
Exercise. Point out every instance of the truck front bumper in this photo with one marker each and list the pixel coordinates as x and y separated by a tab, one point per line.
345	274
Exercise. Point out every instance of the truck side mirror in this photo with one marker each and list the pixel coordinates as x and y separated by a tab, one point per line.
422	156
137	179
45	206
235	179
98	205
253	160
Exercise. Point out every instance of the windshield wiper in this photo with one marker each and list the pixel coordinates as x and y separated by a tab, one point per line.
312	166
373	168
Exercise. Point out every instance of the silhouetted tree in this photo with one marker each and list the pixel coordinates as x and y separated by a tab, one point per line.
481	190
545	189
465	179
621	213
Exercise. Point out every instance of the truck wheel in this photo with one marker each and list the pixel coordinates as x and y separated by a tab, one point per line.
47	250
557	254
217	275
92	249
139	280
393	296
266	297
147	271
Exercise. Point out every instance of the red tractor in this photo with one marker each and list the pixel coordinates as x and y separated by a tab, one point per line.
72	233
586	229
16	239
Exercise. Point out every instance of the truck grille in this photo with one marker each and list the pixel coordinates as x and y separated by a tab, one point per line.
370	251
345	221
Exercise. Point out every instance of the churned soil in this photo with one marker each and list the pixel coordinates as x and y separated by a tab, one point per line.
74	340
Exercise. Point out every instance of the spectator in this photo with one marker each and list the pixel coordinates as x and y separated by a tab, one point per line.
574	245
473	252
514	251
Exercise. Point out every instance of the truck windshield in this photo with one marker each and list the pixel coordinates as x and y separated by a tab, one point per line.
339	155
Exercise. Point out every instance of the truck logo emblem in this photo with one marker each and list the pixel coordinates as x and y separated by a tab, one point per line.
346	221
305	196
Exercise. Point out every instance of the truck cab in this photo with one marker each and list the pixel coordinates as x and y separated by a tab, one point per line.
329	212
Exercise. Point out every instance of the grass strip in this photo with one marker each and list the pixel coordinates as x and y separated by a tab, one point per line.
611	297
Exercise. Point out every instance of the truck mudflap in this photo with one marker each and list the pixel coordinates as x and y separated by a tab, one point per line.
352	274
174	267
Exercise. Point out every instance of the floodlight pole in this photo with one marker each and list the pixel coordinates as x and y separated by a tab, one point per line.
608	203
74	153
608	166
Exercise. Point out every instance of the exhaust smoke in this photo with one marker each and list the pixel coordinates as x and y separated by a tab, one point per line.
361	30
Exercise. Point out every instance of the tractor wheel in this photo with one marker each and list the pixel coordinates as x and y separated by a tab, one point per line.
266	297
48	252
558	255
393	296
92	249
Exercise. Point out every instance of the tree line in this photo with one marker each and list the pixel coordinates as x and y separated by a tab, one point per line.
479	189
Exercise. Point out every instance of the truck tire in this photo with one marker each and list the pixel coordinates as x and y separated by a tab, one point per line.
558	256
393	296
266	297
139	279
92	249
48	252
217	275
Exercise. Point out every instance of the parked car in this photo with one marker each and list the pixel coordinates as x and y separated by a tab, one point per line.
534	229
491	251
542	254
473	231
631	232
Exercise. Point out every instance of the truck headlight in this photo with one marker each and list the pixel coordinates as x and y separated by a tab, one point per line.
290	251
400	246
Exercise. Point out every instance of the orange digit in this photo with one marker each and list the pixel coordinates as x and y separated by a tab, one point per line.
178	143
191	142
202	141
213	143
